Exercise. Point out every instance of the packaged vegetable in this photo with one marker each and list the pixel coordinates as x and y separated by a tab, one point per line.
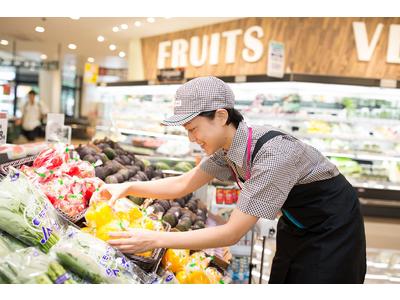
175	259
29	265
9	244
94	260
101	219
67	181
26	213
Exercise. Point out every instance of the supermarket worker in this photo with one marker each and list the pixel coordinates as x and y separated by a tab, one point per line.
320	237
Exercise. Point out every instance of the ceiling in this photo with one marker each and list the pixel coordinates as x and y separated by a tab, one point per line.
59	32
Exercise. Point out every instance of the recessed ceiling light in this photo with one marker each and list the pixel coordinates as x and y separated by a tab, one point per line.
43	56
112	47
75	18
138	23
72	46
115	29
100	38
39	29
121	54
4	42
151	20
90	59
124	26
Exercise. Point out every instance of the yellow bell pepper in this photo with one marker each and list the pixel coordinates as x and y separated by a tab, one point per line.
175	259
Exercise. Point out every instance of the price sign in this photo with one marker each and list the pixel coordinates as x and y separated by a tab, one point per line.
3	127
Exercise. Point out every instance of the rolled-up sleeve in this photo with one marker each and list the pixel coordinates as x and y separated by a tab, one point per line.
217	167
273	175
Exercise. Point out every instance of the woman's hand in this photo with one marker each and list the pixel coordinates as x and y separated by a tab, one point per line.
134	240
113	192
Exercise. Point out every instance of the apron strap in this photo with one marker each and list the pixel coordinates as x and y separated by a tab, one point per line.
262	140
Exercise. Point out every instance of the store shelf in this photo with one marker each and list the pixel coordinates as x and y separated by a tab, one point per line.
240	250
326	118
362	156
344	137
144	133
223	205
374	185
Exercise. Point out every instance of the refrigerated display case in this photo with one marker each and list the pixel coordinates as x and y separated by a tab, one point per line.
357	127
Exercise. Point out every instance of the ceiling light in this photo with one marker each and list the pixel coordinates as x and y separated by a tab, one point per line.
115	29
112	47
100	38
124	26
138	23
151	20
75	18
39	29
43	56
90	59
72	46
4	42
121	54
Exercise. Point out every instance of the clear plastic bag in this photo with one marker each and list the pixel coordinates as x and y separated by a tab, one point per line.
95	260
29	265
9	244
27	214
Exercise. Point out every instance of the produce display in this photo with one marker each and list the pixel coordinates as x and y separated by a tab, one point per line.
39	244
101	219
29	265
191	269
26	213
13	152
93	259
183	213
67	181
113	164
180	166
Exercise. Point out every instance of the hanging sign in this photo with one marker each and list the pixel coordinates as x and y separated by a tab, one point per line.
276	59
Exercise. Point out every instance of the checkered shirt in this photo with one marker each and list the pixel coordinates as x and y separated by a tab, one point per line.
279	165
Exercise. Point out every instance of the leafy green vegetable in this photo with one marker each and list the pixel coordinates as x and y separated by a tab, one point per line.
26	213
29	265
93	259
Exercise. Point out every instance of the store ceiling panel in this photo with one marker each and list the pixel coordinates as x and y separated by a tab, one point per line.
60	32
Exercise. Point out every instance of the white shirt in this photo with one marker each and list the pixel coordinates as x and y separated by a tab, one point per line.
31	115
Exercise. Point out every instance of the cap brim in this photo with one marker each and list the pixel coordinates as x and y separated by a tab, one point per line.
177	120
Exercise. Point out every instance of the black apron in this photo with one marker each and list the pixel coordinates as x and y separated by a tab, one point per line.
320	237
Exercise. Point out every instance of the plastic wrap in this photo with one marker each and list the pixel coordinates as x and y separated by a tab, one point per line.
27	214
31	266
95	260
67	181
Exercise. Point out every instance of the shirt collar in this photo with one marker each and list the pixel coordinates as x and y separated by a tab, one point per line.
237	150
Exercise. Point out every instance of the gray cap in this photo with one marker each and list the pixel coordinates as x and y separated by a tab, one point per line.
199	95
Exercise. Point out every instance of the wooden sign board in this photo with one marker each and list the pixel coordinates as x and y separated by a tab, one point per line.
347	47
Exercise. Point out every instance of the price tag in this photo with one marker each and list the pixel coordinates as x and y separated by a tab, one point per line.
276	59
3	127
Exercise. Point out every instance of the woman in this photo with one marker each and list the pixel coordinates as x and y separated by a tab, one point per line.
320	236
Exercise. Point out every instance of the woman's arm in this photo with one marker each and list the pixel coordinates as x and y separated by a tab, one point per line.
138	241
167	188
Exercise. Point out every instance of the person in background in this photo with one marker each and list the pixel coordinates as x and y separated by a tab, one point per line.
32	115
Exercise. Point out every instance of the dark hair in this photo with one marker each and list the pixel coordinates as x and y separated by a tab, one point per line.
32	92
234	116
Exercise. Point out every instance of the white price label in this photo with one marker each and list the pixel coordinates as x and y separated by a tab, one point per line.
3	127
276	59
